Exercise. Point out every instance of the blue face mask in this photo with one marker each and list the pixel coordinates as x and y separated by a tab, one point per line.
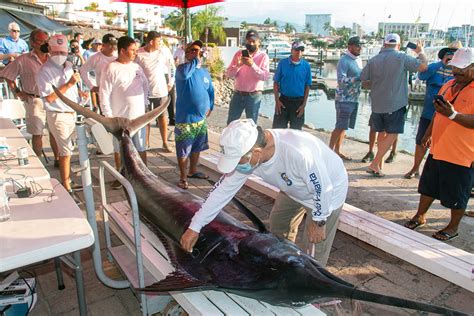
247	168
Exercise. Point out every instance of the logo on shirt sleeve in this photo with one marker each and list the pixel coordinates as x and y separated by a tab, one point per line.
317	194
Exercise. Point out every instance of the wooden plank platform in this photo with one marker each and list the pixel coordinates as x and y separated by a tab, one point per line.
156	262
439	258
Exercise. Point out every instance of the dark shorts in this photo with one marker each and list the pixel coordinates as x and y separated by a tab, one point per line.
390	123
422	127
190	138
156	102
346	113
447	182
288	114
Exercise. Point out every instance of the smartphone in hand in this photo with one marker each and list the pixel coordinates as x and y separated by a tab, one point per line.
439	98
411	45
245	53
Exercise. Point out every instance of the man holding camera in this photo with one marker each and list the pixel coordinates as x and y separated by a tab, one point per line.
448	174
291	85
250	68
388	76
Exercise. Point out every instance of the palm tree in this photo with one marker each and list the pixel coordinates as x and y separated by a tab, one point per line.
328	27
267	21
209	20
307	28
175	20
289	28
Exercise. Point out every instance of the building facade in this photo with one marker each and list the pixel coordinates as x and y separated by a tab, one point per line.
410	30
318	23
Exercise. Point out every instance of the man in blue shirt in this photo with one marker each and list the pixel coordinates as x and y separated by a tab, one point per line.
435	76
12	46
291	85
349	68
194	103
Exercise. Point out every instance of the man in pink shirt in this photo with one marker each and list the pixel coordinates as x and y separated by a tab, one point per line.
249	68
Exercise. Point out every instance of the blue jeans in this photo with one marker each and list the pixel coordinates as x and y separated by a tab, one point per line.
239	103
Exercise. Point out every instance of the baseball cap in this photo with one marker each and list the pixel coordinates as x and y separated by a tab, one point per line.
197	43
451	49
96	41
392	38
109	38
355	41
297	45
236	140
58	43
252	34
462	58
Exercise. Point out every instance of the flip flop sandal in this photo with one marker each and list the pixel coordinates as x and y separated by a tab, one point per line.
469	213
411	175
374	173
444	236
198	175
413	224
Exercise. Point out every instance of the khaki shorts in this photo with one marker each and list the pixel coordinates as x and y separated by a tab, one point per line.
61	126
35	116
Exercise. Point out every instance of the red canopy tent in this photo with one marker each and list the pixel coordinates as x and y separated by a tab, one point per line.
186	4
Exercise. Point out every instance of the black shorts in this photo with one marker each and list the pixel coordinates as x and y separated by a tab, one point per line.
156	102
288	114
447	182
390	123
422	127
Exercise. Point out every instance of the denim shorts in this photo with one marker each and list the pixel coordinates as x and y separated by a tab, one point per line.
391	123
138	140
449	183
346	114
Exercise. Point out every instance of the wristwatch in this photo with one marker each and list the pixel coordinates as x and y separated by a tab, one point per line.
321	223
452	116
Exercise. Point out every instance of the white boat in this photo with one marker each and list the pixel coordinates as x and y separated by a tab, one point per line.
277	48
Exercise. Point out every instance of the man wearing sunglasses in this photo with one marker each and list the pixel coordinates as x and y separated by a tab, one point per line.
12	46
291	85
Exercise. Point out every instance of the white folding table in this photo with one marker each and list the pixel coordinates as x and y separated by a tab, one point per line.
45	227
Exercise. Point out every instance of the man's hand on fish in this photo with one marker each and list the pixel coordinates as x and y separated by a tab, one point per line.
189	239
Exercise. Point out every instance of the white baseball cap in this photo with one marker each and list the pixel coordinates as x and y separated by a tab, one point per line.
392	38
58	43
236	140
462	58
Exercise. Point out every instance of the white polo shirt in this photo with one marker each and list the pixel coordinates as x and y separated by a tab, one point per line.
123	90
95	65
51	74
303	167
156	65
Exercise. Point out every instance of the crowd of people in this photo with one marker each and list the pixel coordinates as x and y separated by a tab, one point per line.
126	80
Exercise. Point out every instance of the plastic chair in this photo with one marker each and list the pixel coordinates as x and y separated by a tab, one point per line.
14	109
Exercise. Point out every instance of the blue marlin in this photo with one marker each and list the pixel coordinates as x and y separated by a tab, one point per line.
229	255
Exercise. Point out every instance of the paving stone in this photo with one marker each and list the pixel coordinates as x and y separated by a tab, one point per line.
128	300
462	299
110	306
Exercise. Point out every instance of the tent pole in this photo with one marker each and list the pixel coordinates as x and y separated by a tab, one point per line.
130	20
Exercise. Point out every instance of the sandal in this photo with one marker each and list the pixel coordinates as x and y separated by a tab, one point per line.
183	184
198	175
411	175
444	236
469	213
377	174
344	157
414	224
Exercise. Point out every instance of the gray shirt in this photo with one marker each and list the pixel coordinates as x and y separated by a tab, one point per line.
388	75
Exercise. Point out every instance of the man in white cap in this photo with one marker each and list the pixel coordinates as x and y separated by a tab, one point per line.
12	46
388	76
96	46
59	72
448	174
311	178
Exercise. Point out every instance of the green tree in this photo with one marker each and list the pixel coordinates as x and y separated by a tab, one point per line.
209	20
328	27
307	28
267	21
175	20
319	43
289	28
244	24
93	6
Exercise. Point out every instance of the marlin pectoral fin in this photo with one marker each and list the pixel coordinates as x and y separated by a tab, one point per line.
179	280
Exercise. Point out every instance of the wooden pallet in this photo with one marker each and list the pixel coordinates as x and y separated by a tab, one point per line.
157	266
439	258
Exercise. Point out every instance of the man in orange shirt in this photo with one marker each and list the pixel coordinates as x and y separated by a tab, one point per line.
448	174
